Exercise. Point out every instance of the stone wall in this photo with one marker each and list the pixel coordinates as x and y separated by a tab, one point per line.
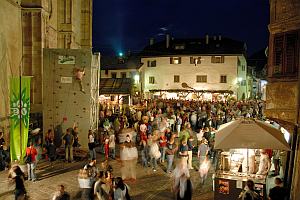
10	55
283	92
281	101
63	97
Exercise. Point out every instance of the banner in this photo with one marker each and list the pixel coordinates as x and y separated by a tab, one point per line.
19	116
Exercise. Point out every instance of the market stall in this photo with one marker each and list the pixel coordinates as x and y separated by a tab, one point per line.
244	144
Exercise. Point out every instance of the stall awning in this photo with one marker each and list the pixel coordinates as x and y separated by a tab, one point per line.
251	134
115	86
189	91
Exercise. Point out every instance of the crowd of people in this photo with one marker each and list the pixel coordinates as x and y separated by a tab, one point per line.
177	132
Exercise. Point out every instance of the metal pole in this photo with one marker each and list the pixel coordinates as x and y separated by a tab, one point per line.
20	112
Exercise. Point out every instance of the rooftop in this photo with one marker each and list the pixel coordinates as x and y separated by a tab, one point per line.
124	62
213	46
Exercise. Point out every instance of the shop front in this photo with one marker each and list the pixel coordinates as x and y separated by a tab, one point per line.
245	146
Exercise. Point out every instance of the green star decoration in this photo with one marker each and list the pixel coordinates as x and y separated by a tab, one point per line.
18	111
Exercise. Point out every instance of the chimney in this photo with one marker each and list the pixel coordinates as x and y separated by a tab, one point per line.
167	41
206	39
220	37
151	41
215	37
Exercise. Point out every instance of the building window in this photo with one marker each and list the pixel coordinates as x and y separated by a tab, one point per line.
151	63
123	75
238	62
243	83
195	60
179	46
243	68
151	80
217	59
175	60
106	72
201	78
176	78
286	53
223	79
112	98
113	75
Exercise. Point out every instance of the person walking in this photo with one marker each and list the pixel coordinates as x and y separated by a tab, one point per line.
162	146
190	152
68	141
183	150
121	190
202	151
170	151
17	176
31	154
61	194
182	186
112	145
154	152
92	145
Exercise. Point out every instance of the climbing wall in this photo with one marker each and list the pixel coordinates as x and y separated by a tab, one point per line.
65	100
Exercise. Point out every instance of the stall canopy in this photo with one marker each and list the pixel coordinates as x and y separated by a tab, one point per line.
249	134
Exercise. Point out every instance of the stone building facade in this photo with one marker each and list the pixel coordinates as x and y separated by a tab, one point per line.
29	26
10	55
283	97
63	24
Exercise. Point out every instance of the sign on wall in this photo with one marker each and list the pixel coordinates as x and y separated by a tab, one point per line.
66	60
64	79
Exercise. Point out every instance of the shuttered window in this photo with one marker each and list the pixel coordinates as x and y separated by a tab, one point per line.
175	60
201	78
286	54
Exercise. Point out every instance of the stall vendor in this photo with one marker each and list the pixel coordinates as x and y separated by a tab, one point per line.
264	163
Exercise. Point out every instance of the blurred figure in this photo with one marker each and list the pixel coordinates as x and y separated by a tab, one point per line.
182	186
202	151
61	194
17	176
128	156
203	170
103	187
121	190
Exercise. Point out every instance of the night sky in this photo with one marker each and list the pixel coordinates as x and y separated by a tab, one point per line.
122	25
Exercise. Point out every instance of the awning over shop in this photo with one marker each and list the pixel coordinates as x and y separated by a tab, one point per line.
189	91
115	86
251	134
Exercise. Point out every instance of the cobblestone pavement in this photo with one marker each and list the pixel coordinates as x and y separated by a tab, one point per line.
149	184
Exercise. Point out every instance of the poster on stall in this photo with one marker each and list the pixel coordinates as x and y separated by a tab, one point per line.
223	187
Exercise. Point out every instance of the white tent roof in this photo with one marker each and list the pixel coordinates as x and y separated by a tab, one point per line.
251	134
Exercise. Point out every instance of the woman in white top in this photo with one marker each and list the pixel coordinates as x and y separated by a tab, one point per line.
121	191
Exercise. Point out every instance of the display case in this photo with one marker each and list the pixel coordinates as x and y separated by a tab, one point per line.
234	168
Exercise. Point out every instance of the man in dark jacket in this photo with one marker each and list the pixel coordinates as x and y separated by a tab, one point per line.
278	192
